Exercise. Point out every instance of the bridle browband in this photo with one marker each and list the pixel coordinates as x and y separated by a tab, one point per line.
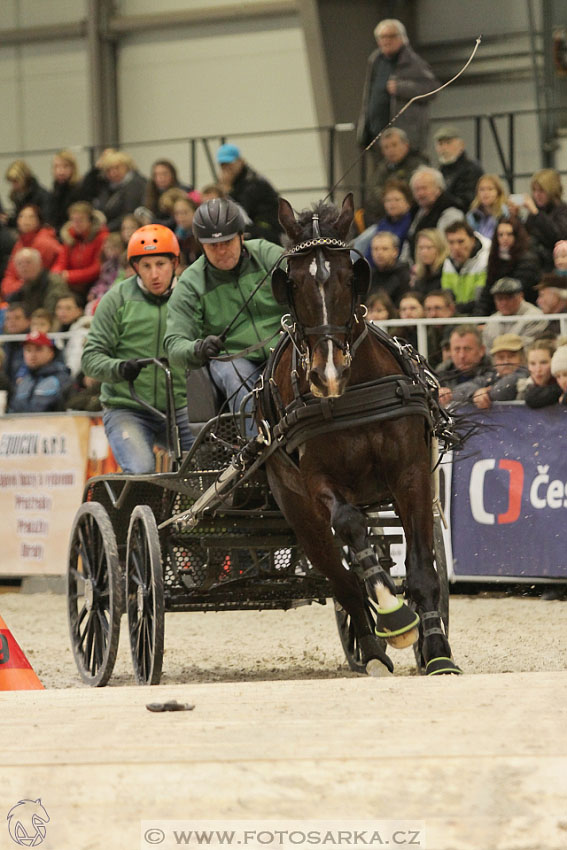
324	333
319	242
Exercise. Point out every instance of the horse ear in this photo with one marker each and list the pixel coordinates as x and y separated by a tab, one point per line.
280	283
361	278
344	221
287	219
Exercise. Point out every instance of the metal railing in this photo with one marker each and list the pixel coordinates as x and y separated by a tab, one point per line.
505	139
420	324
423	324
328	134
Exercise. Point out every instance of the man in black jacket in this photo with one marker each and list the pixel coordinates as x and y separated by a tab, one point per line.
398	161
253	192
389	274
461	173
435	206
394	75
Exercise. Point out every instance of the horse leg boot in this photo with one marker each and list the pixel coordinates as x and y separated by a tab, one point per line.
315	537
348	593
424	590
396	622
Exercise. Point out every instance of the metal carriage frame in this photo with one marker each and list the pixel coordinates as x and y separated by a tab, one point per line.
136	547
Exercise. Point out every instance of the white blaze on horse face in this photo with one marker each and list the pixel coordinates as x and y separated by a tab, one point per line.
331	374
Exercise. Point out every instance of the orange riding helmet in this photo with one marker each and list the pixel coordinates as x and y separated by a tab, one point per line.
150	240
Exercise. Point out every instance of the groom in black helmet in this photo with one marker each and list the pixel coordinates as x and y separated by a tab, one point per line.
208	313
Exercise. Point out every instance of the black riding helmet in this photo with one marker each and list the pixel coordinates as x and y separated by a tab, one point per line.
218	220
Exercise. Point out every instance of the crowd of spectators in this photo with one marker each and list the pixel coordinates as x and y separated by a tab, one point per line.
453	233
471	249
443	240
63	248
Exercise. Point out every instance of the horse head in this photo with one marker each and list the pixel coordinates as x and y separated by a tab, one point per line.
323	290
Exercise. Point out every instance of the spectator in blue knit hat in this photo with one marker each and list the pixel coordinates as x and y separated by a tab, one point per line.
252	191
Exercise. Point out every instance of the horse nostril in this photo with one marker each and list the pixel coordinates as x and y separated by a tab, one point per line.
316	378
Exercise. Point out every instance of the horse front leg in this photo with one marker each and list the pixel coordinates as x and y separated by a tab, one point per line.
423	585
396	622
312	527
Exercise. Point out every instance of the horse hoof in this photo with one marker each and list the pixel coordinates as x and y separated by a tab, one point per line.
441	666
404	640
398	625
376	669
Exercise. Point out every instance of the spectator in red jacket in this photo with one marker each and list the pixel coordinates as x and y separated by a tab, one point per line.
32	234
83	236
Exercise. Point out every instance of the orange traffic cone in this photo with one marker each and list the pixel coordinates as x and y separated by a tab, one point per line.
16	673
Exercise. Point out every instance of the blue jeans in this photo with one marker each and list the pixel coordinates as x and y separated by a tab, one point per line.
235	379
132	435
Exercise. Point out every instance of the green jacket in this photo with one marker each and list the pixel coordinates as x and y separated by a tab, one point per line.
129	323
207	299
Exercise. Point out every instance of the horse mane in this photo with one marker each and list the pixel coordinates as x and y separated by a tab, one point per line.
328	216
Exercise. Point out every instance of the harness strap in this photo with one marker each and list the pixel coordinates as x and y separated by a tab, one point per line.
388	398
432	630
373	571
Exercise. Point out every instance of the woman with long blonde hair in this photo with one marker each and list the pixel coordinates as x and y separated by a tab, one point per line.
431	249
25	190
544	213
488	205
66	189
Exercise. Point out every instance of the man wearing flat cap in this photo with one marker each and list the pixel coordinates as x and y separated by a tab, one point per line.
509	360
509	299
460	172
252	191
552	298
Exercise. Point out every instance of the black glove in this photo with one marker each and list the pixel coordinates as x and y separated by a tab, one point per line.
129	369
208	347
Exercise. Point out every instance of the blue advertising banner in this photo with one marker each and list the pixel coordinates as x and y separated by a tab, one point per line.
509	496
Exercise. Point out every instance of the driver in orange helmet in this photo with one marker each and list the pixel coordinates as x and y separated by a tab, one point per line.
129	324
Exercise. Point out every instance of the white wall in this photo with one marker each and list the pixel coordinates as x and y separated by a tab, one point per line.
43	87
224	78
215	79
439	21
27	13
219	80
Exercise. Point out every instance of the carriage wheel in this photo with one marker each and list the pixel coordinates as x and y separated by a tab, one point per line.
144	596
441	567
94	597
347	634
440	561
348	638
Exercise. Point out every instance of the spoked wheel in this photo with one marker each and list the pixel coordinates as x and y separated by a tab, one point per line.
440	563
144	596
94	597
347	635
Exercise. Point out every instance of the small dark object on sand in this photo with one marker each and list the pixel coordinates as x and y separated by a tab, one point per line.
172	705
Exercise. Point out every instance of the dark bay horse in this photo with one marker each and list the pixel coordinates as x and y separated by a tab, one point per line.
332	356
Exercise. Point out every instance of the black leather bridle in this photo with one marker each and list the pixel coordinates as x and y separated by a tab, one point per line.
282	287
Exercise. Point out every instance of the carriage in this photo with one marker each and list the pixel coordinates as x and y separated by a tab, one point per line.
209	535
